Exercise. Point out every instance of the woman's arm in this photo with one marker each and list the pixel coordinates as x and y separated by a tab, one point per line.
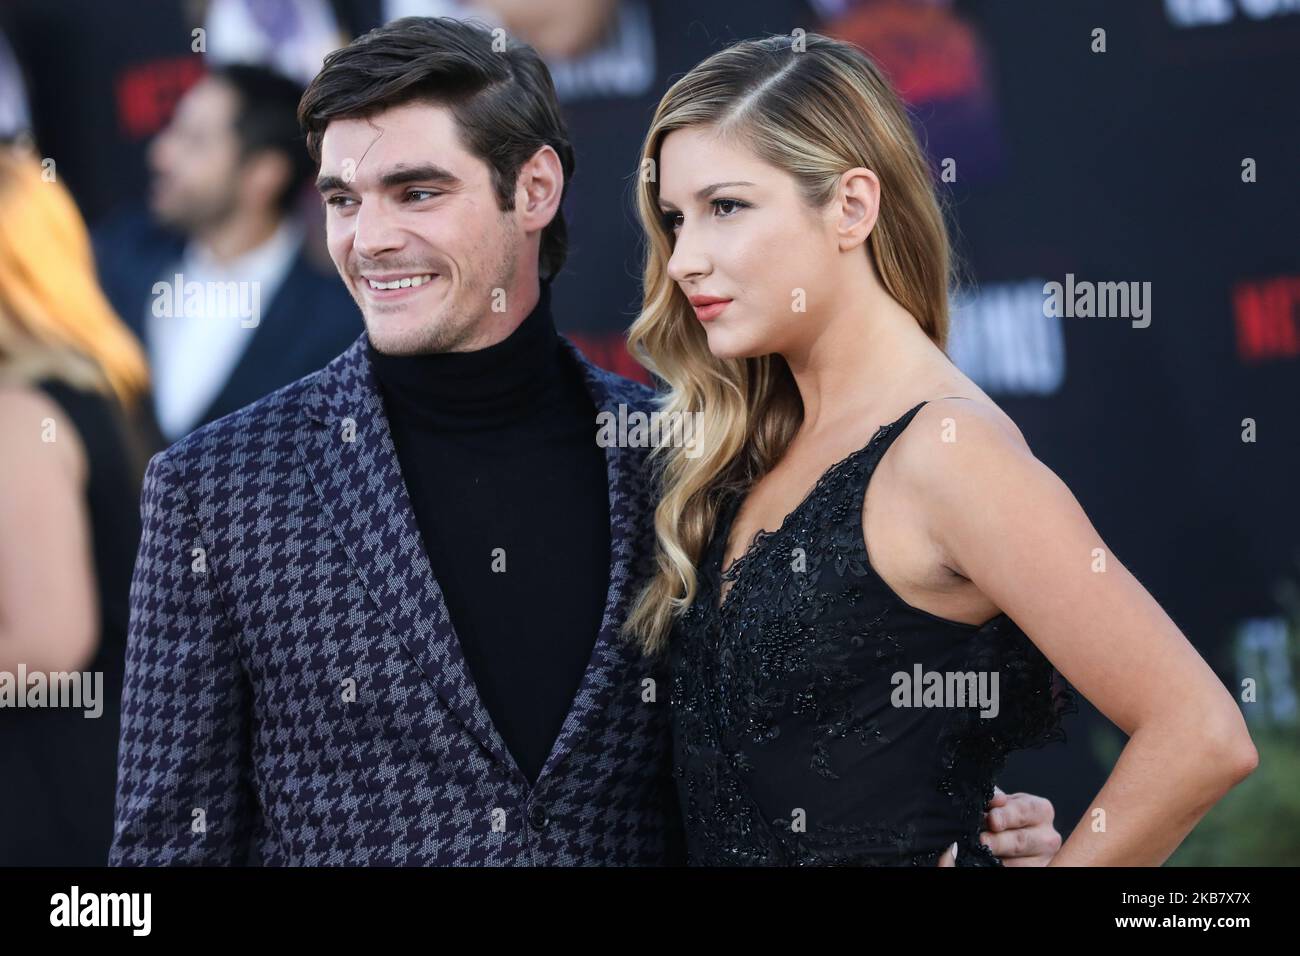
1010	525
47	580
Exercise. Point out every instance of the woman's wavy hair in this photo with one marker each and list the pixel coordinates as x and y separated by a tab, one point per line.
54	319
815	109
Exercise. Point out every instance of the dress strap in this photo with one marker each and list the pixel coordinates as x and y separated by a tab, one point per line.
866	459
880	443
887	433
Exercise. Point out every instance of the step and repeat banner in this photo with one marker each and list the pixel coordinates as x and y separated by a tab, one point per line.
1123	182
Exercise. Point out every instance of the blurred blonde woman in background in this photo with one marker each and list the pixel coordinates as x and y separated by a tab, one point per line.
76	438
796	295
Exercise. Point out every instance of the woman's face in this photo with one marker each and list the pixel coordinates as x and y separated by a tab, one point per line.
744	236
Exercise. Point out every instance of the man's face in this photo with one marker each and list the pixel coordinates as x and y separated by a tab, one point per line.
195	160
414	228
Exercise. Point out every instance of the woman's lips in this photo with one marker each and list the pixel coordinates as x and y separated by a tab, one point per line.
707	311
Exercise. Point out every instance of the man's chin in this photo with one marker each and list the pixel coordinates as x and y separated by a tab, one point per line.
166	216
390	335
388	341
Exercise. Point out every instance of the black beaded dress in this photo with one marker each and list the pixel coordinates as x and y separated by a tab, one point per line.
796	741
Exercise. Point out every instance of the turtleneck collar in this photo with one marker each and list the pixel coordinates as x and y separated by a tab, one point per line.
503	383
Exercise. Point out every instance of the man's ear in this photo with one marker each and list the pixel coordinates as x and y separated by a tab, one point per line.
538	189
856	205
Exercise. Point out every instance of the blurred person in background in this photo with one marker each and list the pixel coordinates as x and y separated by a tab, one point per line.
215	280
77	433
15	114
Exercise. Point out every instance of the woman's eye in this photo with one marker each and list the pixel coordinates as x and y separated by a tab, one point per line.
724	208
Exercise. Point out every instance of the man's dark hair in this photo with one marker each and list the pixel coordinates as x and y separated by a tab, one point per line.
266	117
503	99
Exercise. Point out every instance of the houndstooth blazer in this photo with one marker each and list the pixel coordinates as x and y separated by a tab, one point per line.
295	692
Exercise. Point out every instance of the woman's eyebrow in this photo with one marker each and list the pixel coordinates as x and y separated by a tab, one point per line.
706	192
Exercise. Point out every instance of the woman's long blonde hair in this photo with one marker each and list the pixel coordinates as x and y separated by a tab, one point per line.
54	318
816	113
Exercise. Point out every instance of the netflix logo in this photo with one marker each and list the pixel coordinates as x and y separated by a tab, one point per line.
147	93
1267	314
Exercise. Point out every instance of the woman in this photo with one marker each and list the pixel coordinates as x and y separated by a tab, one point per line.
846	690
70	375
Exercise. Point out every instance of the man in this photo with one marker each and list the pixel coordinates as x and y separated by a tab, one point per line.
217	282
375	615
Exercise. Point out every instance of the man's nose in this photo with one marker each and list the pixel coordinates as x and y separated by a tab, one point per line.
156	154
376	232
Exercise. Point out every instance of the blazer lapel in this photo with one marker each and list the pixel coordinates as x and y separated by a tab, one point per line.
630	536
360	488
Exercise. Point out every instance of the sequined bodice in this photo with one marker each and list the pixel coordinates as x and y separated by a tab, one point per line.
818	719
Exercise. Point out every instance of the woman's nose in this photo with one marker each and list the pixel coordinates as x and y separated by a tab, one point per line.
687	261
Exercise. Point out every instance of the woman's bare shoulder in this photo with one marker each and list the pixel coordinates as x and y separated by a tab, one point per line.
956	434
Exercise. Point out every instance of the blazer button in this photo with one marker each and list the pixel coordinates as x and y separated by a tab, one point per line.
537	816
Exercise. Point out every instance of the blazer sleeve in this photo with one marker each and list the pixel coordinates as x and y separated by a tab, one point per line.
184	779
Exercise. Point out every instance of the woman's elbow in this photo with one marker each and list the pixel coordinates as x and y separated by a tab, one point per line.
1244	759
1232	752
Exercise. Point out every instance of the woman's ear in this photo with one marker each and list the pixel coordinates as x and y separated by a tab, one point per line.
857	205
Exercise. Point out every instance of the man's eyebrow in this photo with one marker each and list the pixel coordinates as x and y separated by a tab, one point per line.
326	183
398	176
424	173
707	191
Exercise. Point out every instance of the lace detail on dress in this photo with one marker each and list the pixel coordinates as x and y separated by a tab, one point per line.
787	751
762	535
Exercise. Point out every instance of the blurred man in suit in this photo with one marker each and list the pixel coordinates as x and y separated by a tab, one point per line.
215	280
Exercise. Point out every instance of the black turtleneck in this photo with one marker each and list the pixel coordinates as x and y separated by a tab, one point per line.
497	448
